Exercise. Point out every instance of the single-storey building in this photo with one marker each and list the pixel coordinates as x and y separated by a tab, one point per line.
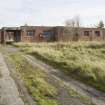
48	34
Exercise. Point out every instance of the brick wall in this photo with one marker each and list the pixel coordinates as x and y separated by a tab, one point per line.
38	35
94	34
0	36
84	34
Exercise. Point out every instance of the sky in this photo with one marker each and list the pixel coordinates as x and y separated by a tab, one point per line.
50	12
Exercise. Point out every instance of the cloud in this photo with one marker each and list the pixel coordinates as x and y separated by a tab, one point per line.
49	12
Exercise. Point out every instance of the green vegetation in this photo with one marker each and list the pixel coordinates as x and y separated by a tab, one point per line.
84	61
34	79
41	85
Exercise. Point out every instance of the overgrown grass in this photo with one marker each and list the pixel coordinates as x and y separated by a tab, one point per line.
41	85
43	92
84	61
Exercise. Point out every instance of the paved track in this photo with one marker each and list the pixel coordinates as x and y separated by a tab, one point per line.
9	94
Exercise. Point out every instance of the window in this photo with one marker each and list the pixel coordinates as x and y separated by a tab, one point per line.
86	33
48	35
97	33
30	33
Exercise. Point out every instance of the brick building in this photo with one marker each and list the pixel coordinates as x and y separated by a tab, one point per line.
48	34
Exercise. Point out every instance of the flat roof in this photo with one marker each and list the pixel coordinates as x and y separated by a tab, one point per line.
11	28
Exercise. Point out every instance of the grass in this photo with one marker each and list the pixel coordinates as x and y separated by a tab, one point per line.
38	85
84	61
42	91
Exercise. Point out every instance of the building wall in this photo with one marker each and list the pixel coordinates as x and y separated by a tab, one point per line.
0	36
84	34
94	34
38	33
24	37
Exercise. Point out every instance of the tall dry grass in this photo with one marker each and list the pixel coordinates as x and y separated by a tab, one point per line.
84	61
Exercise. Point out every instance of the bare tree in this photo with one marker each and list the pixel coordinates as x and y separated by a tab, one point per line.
72	27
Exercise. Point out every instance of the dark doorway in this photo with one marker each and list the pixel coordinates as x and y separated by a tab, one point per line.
17	36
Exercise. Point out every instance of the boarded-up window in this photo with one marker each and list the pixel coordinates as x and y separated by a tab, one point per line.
48	35
86	33
30	33
97	33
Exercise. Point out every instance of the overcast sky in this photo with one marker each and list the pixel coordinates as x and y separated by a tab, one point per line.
50	12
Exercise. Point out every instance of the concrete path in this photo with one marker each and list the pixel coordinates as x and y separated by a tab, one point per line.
9	94
97	97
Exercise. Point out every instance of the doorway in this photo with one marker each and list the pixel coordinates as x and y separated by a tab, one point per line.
17	36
